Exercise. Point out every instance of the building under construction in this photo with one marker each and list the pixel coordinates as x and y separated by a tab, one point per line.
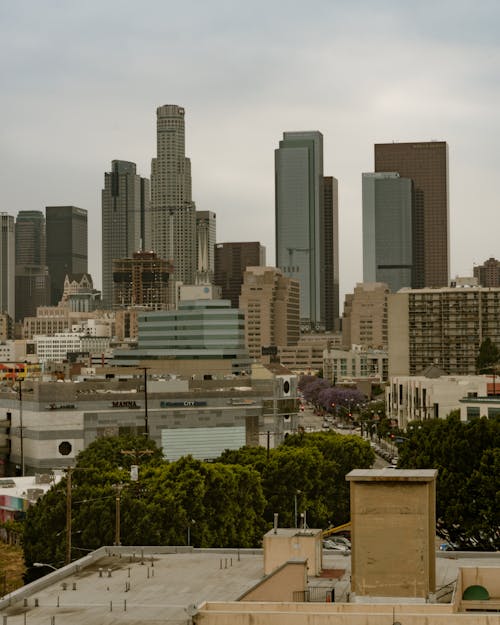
141	281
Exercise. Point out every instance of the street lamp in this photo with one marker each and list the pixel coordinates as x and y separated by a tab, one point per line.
41	564
297	492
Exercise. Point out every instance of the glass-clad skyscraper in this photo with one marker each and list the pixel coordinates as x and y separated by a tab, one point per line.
301	236
388	230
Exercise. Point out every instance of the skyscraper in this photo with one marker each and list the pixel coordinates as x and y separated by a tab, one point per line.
331	254
32	282
173	212
305	237
66	228
7	265
388	230
126	225
231	260
205	236
426	164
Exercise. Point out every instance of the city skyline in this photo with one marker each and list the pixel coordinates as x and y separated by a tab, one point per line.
244	80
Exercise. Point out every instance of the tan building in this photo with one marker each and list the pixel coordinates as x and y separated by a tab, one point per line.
365	316
441	327
488	274
307	356
50	320
393	529
271	305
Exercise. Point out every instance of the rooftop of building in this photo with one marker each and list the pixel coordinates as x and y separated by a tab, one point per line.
151	585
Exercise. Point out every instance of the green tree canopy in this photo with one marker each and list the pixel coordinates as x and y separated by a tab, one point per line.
468	485
488	356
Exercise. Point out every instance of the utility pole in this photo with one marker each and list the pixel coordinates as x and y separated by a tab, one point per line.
146	423
117	515
68	516
21	433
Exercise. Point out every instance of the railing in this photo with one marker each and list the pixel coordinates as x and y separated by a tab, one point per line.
316	594
446	591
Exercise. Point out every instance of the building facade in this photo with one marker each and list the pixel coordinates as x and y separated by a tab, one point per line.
417	398
303	235
126	219
331	257
173	214
426	164
388	230
206	233
209	332
7	265
488	274
441	327
271	304
355	364
141	280
365	316
67	252
230	263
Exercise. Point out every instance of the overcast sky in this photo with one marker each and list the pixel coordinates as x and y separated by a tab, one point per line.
80	83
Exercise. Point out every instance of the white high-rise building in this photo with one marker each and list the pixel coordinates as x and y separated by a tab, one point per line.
7	265
173	212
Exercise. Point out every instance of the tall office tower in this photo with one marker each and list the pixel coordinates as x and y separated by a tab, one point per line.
205	238
427	166
172	209
126	226
271	303
303	235
488	274
230	262
66	228
331	258
7	265
30	238
32	282
388	230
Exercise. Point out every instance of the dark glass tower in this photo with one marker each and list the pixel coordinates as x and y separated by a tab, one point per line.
66	228
426	164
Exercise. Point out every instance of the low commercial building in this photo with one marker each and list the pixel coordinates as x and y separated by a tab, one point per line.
51	422
356	364
432	395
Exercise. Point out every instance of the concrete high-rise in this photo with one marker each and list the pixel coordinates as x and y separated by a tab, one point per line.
231	260
67	236
426	164
126	225
206	233
172	209
388	230
32	282
305	237
141	280
488	274
7	265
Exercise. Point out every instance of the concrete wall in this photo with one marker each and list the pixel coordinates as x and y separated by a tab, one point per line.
393	533
293	544
281	584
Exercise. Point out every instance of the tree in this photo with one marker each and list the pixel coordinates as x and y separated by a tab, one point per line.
466	456
488	356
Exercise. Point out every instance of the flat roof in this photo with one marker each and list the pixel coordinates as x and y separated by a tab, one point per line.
391	475
152	585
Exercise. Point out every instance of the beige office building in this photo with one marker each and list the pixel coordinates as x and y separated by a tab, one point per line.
271	303
365	316
442	327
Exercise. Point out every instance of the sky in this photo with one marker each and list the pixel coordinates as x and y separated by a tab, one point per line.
80	84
